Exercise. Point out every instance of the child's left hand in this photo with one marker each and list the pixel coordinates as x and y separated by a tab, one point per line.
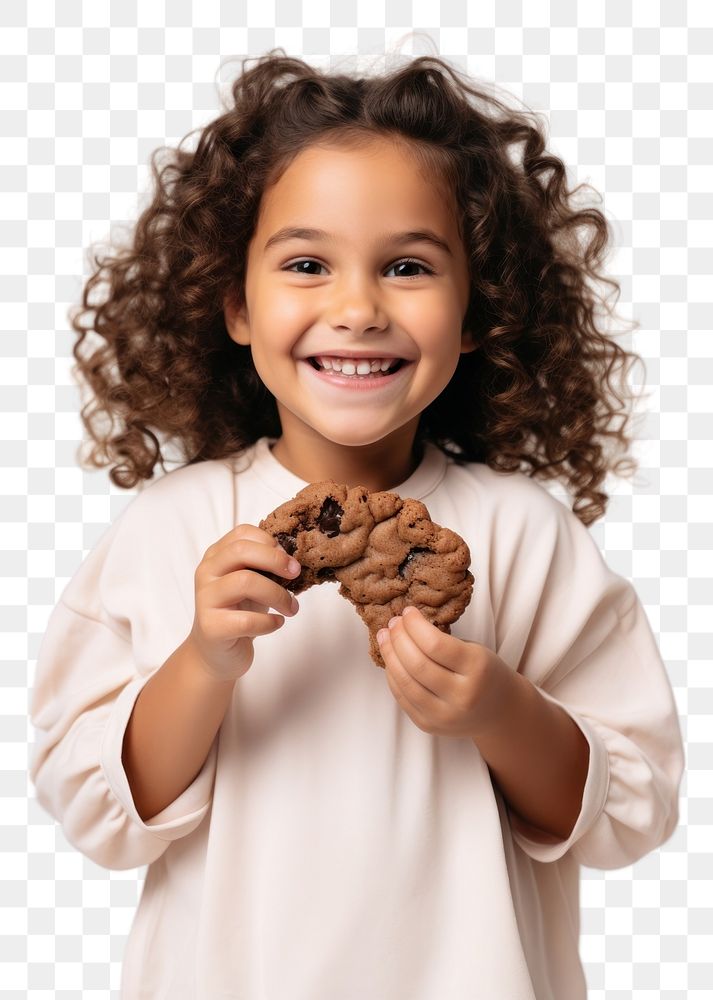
447	686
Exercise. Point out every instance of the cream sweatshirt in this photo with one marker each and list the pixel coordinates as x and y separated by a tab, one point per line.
329	849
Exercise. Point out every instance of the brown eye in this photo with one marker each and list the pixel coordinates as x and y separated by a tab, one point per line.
300	263
411	263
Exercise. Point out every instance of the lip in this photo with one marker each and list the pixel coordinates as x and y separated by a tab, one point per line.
331	353
354	382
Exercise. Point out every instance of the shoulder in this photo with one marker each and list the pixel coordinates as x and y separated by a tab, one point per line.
164	527
533	550
508	498
518	521
186	494
188	480
175	516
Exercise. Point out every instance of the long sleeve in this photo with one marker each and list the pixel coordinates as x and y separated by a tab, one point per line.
122	614
579	632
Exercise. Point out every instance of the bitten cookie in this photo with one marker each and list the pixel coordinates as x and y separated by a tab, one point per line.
385	552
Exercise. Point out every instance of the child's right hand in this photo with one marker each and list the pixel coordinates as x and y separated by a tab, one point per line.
232	601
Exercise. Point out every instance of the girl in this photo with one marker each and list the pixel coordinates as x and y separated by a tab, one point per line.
364	280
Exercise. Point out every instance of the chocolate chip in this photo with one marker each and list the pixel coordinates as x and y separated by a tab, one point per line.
409	557
288	542
330	517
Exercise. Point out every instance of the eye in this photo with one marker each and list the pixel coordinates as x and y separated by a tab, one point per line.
298	263
406	262
411	263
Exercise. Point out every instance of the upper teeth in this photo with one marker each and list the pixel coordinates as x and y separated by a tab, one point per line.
364	366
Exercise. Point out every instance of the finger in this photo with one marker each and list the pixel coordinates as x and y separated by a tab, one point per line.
254	606
228	624
399	679
396	655
396	673
412	710
422	671
437	645
248	532
243	553
243	586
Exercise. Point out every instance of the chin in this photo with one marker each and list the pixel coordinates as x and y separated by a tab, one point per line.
351	439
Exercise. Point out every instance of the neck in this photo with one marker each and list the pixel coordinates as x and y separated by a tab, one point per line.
382	465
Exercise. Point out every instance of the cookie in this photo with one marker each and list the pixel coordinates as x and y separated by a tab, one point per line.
384	551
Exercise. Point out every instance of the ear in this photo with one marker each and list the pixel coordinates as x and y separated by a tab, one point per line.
467	344
236	321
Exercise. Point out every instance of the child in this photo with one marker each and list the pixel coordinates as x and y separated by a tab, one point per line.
357	280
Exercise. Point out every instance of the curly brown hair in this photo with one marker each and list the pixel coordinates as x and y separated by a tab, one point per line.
536	394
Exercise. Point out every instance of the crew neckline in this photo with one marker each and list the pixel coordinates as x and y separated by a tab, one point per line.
422	481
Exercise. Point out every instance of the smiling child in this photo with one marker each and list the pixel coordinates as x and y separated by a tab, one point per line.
381	281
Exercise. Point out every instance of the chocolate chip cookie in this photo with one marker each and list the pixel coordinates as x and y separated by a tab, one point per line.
384	551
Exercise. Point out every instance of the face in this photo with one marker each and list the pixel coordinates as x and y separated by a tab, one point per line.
358	295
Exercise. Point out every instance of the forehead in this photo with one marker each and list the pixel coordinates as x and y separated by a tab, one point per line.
375	181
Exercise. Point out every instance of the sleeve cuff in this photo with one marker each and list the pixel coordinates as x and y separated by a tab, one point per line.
596	789
181	816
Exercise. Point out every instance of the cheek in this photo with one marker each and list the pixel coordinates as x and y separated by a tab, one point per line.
435	320
266	372
441	344
283	320
274	316
442	357
444	373
286	309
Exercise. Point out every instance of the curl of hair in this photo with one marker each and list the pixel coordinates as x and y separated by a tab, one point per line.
536	395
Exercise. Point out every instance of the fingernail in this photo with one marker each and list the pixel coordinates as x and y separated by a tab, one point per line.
381	636
409	610
293	566
393	621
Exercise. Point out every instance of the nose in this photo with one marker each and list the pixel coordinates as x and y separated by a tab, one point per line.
355	303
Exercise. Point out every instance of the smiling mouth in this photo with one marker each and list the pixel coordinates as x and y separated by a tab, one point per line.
357	368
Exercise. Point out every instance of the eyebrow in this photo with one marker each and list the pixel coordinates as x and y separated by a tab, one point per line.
302	233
